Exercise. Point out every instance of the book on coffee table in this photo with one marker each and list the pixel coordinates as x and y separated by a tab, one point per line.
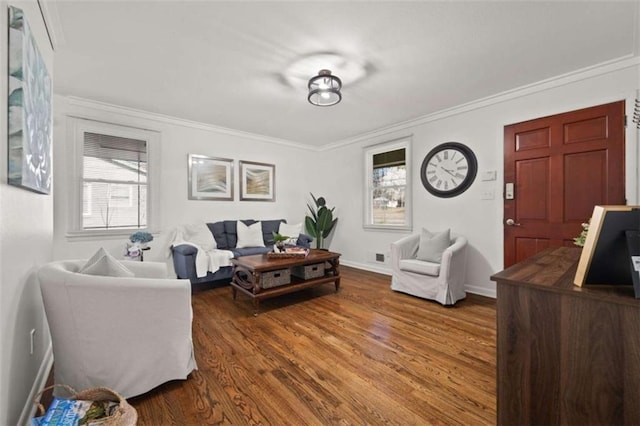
290	252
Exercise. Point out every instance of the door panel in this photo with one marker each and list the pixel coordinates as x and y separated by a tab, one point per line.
584	170
561	167
527	247
532	183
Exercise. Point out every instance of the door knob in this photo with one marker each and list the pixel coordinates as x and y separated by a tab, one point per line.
511	222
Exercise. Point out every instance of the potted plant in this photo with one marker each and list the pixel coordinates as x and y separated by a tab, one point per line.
280	240
321	221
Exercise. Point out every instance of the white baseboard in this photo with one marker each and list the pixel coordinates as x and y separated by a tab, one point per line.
367	267
481	291
29	410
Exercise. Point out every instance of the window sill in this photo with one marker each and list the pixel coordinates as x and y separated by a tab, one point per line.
389	228
115	234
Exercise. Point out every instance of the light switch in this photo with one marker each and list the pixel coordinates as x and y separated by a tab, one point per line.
489	175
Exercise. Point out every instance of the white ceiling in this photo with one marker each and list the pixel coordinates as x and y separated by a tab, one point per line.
223	63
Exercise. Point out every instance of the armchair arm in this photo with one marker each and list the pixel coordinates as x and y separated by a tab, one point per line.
304	240
454	259
184	249
184	260
404	248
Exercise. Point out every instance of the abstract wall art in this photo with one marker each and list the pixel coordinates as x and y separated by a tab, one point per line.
210	178
29	109
257	181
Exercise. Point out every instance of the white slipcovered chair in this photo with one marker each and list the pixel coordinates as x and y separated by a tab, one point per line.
129	334
442	282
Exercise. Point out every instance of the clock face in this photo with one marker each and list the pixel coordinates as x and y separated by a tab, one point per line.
449	169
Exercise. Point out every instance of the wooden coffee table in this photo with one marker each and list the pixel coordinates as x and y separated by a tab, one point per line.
253	275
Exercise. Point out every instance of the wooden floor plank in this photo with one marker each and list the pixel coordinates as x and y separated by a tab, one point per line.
363	355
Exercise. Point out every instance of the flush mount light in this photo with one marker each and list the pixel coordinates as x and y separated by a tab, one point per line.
324	89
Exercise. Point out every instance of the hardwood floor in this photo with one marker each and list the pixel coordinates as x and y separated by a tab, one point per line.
364	355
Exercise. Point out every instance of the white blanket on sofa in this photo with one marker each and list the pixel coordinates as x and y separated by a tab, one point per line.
209	258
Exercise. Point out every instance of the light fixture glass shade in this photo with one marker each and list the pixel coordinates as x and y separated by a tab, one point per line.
324	89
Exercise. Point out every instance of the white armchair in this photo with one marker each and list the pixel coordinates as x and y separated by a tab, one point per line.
442	282
127	334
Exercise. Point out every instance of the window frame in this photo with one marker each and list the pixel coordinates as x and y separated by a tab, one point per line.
77	127
369	152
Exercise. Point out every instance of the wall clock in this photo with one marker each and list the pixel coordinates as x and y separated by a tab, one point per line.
449	169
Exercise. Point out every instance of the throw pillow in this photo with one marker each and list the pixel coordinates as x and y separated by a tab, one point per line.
200	235
291	231
102	263
249	236
433	245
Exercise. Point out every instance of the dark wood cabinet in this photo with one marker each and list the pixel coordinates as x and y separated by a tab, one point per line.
566	354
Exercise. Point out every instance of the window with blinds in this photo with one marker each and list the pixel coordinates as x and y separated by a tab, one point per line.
114	182
387	186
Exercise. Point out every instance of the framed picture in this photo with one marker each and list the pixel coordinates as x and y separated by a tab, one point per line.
29	109
257	181
210	178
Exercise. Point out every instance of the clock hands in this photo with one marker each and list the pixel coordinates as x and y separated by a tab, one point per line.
448	171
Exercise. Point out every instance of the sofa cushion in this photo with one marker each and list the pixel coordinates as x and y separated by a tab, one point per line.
432	245
268	228
420	267
291	231
217	229
231	230
249	236
102	263
248	251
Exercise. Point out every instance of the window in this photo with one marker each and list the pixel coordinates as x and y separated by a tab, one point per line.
388	191
112	174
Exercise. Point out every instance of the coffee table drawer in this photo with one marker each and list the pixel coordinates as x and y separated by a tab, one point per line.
306	272
276	278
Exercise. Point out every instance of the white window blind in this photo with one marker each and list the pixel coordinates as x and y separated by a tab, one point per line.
114	178
388	189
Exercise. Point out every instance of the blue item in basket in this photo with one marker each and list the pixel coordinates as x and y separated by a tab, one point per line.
70	412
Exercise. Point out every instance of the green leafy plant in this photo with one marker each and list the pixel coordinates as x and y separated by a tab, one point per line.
580	239
321	221
279	238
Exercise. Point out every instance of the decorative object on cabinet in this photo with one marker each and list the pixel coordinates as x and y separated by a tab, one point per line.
257	181
210	178
449	169
29	109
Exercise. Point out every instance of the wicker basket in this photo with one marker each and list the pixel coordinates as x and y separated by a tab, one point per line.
307	272
276	278
125	414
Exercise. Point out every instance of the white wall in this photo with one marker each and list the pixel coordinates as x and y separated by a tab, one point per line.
480	126
179	138
26	237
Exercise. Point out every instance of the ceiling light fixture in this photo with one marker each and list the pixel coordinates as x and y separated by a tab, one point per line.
324	89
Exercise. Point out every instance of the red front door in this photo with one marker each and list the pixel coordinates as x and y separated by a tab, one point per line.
559	168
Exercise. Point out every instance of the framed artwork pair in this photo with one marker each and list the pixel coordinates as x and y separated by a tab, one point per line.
212	178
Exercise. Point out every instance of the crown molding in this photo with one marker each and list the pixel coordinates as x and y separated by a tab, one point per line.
550	83
166	119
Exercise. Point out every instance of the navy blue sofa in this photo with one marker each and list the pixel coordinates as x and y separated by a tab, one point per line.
226	236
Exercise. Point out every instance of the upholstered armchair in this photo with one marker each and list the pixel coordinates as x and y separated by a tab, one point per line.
127	333
441	281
